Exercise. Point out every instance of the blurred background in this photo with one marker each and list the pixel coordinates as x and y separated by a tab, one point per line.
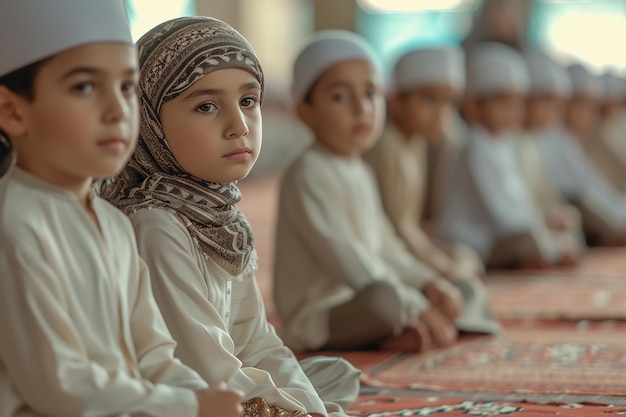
592	32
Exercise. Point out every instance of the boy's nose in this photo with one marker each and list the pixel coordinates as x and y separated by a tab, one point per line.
118	107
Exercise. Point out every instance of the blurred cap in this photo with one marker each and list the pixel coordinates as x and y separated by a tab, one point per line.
430	66
32	30
325	49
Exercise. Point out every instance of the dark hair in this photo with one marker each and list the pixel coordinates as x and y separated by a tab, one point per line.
21	82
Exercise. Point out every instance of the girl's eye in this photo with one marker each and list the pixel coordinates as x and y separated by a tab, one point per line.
206	108
83	88
249	102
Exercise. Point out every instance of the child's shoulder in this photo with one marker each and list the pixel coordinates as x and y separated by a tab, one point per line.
154	223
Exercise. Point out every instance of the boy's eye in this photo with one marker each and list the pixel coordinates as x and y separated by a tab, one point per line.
206	107
83	88
129	87
340	97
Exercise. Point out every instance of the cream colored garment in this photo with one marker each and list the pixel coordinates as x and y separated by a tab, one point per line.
487	200
81	333
333	239
400	166
220	325
546	198
606	149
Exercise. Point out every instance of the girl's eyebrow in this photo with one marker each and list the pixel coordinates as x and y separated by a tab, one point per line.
203	92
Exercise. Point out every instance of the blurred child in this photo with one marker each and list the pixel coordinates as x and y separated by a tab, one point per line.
343	279
488	206
201	90
427	84
81	333
550	87
601	206
606	145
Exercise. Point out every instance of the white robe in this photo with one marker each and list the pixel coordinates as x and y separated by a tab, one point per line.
487	199
333	239
81	333
221	325
573	176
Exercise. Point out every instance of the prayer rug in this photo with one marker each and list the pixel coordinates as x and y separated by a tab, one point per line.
553	358
575	297
405	404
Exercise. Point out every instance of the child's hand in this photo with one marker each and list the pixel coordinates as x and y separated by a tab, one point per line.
445	297
217	401
440	327
556	223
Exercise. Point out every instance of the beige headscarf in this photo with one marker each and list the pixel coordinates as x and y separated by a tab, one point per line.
172	57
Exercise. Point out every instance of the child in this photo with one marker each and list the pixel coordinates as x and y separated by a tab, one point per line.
606	147
81	333
427	83
201	88
343	279
488	206
601	206
550	87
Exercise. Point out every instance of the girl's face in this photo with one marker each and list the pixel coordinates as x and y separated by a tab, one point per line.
425	110
346	108
214	128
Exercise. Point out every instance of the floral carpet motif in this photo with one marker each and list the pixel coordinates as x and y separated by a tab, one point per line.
540	358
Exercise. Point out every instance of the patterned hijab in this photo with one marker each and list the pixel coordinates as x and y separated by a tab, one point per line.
172	57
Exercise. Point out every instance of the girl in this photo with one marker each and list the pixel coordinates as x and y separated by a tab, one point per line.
201	90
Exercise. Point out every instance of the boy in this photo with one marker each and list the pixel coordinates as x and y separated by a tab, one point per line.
427	83
606	146
601	206
343	280
488	206
550	87
81	332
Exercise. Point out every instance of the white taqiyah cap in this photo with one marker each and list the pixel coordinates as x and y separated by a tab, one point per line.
494	67
584	83
612	87
546	76
31	30
325	49
430	66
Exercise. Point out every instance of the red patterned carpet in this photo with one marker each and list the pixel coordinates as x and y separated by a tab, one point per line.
557	354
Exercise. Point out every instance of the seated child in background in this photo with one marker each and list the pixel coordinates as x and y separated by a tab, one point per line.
81	333
569	171
427	82
550	87
343	279
488	206
606	145
201	90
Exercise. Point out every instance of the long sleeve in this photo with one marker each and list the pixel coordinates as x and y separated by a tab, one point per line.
318	208
46	357
196	308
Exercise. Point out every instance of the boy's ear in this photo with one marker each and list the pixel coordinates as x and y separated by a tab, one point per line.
304	111
11	119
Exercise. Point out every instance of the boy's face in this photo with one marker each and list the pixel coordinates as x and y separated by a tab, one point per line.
83	119
581	115
346	109
502	112
543	111
425	110
214	128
